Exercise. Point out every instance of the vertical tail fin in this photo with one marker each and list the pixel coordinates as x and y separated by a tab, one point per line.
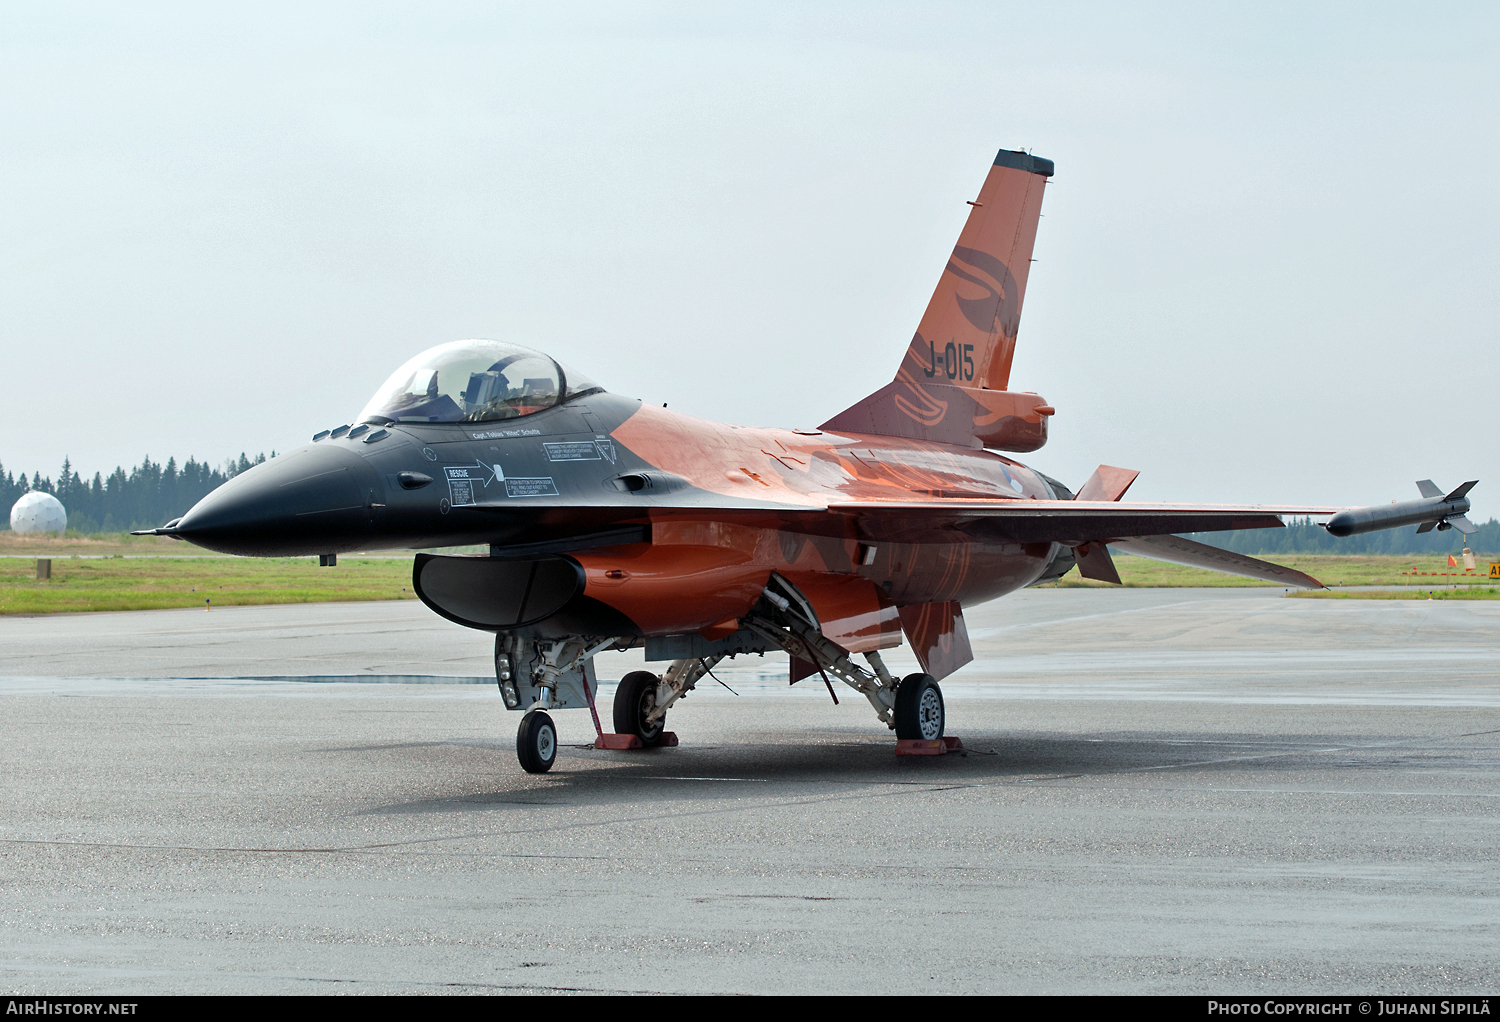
951	387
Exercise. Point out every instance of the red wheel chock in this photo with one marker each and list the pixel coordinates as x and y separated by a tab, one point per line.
927	746
617	742
668	740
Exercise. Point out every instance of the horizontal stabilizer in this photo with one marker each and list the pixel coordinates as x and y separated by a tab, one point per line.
1176	550
1107	483
1428	488
1462	491
1463	525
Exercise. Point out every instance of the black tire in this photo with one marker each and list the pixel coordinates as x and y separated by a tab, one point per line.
919	707
636	697
536	742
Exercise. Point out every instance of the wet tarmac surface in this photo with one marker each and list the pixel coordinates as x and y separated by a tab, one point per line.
1167	791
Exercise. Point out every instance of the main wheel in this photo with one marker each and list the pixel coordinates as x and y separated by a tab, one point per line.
919	707
634	699
536	742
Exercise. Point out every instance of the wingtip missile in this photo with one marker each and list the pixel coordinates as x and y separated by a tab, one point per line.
1433	510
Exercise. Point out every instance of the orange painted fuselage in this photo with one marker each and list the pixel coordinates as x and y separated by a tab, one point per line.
810	473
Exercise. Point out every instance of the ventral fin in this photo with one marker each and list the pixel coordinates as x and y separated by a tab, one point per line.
1094	562
938	636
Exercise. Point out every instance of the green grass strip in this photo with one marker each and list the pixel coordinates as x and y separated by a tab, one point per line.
157	583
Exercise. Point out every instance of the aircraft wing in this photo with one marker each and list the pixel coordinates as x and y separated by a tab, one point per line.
1071	522
1061	521
1092	528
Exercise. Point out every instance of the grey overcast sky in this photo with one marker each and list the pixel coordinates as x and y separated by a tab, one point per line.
1266	269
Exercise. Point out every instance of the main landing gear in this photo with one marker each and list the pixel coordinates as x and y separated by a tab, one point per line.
912	707
635	700
542	675
919	708
920	718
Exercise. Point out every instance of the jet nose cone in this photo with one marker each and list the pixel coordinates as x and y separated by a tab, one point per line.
314	500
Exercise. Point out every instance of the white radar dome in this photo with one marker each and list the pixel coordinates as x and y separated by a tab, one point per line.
38	512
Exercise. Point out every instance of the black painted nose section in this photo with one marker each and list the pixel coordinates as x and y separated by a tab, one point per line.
314	500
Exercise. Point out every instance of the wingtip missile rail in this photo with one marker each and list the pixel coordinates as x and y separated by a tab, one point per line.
1435	510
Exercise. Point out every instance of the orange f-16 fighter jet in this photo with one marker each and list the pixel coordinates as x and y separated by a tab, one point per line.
613	524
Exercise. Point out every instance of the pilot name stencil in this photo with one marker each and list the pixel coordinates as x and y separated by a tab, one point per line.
585	451
504	434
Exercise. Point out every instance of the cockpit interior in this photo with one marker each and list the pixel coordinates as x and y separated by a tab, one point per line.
474	381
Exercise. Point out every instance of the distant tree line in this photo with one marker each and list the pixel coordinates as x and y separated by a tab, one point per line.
147	496
1303	536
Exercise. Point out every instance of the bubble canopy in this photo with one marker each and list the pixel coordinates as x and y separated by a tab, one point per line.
473	381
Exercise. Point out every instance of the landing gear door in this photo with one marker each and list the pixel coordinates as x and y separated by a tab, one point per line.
570	686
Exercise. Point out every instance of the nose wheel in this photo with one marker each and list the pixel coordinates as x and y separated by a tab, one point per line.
536	742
